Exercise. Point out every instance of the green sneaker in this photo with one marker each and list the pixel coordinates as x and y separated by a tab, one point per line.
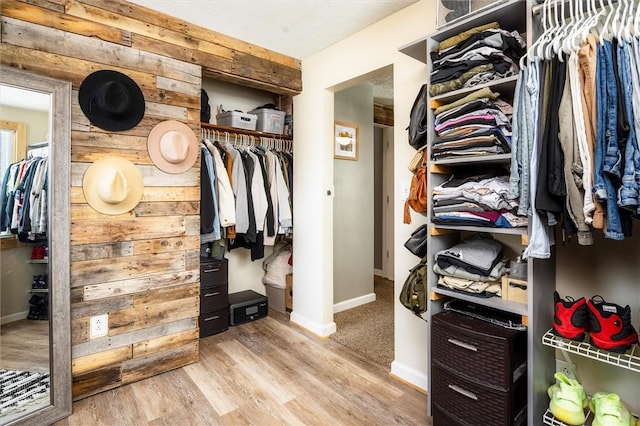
608	410
568	400
562	378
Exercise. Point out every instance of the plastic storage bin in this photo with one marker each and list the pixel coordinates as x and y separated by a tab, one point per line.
269	120
237	119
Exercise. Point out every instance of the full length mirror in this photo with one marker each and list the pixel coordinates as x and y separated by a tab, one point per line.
35	139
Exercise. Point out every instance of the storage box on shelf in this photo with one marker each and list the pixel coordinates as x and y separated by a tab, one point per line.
237	119
536	309
269	120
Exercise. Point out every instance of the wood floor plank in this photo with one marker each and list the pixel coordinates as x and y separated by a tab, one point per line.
203	374
266	372
173	395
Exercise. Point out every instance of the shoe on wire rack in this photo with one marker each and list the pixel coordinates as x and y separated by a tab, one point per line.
610	326
609	410
568	400
570	317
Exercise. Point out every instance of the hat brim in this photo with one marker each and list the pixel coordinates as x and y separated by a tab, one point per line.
102	119
97	171
153	146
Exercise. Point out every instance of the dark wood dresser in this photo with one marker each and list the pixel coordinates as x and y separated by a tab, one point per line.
479	373
214	296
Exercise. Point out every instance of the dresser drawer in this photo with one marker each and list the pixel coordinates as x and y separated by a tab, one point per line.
466	403
214	322
213	272
483	352
214	298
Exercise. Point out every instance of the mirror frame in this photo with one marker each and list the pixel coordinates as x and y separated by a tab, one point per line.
59	241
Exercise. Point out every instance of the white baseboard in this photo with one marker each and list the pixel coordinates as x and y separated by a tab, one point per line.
13	317
378	272
352	303
410	375
322	330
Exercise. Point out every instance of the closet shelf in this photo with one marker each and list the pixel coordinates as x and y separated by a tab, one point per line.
507	231
38	290
477	159
38	261
491	302
549	419
628	361
223	129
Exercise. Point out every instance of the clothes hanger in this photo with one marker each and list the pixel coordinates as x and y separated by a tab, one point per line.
569	44
605	26
556	46
576	19
616	22
627	21
550	48
534	51
636	22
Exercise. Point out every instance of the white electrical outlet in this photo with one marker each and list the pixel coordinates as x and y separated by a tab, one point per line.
99	326
570	370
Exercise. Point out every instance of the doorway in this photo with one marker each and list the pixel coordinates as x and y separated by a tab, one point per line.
363	225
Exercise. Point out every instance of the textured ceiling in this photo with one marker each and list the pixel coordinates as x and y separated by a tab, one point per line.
297	28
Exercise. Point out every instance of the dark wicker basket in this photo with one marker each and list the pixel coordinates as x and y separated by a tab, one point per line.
457	401
482	352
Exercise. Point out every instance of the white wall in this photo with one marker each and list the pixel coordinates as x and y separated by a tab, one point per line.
349	61
37	122
353	203
234	97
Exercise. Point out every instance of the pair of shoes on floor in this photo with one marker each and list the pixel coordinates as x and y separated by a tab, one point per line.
608	410
609	325
568	400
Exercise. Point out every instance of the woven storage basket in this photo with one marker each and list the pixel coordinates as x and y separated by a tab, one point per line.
485	353
467	403
213	272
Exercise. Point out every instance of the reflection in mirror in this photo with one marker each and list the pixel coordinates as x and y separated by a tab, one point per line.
35	373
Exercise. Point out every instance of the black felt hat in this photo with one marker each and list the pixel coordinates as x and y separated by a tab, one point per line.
111	100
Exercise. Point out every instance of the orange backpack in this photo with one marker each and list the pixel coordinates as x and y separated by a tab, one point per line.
417	198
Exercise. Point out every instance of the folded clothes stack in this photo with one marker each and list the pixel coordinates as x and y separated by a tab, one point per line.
476	200
478	124
474	57
474	266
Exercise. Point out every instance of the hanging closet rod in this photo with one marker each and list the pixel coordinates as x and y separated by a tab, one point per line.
538	7
243	137
254	133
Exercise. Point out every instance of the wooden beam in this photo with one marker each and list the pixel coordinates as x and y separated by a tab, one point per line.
383	114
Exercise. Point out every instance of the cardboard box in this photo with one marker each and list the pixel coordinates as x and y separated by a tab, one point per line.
514	290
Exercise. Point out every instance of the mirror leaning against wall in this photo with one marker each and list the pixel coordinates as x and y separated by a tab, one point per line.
35	342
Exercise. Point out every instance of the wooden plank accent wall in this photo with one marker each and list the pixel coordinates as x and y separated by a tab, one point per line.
141	270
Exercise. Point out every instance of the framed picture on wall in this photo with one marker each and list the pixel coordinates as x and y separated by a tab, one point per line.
345	144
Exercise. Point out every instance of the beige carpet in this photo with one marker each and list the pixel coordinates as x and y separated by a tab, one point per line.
368	329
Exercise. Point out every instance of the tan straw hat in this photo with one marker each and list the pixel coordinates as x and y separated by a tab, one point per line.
172	146
112	185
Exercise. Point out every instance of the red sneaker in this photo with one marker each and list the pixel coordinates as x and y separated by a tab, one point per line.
611	327
570	318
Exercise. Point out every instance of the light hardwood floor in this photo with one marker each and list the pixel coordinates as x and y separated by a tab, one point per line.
265	372
24	345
